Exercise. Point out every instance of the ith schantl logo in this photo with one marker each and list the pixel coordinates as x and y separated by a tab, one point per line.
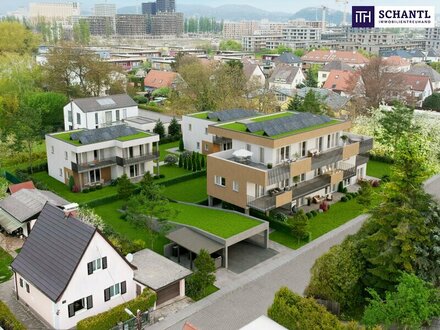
363	16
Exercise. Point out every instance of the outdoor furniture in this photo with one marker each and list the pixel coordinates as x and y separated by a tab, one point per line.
329	197
316	199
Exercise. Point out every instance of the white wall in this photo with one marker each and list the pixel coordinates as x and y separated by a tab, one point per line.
196	134
56	160
83	285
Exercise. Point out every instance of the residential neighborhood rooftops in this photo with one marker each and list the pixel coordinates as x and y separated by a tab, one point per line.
53	250
92	104
156	271
396	61
282	124
339	80
158	79
117	132
284	73
287	58
26	203
225	115
325	56
415	82
13	188
336	65
423	69
332	99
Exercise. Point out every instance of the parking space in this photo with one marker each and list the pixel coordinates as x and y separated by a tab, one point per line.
245	255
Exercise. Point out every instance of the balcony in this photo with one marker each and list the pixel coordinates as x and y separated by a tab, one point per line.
99	163
138	159
221	140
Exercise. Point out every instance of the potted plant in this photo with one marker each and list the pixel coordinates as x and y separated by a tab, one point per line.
344	139
295	156
269	165
296	180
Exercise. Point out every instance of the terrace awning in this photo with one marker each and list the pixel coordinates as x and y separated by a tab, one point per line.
194	241
8	222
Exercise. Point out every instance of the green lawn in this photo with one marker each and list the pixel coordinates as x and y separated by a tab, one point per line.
170	172
139	135
191	191
378	169
271	117
63	190
112	217
209	290
65	136
5	261
164	147
214	221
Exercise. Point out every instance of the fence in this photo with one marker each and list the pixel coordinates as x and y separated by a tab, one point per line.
132	324
10	177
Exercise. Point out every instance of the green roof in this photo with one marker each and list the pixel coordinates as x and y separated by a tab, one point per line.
273	116
139	135
65	136
202	115
215	221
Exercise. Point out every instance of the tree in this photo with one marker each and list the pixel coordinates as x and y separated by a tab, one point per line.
311	103
161	92
81	32
432	102
312	76
295	103
230	45
181	145
4	184
125	187
365	194
170	160
298	224
296	313
202	162
89	217
17	38
159	128
435	66
413	304
180	160
281	49
71	182
203	277
174	128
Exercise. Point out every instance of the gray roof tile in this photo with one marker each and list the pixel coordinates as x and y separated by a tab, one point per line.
91	104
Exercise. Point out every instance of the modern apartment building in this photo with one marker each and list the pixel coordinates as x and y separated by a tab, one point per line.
297	33
166	6
149	8
167	23
283	159
131	25
254	43
53	11
237	30
104	9
98	156
432	36
101	25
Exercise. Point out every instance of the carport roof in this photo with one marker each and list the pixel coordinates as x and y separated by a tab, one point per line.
194	241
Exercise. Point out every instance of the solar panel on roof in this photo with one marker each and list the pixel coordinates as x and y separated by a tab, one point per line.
103	134
233	114
106	101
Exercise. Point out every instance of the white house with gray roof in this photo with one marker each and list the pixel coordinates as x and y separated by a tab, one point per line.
98	156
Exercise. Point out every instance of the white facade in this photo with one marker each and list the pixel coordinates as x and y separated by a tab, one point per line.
194	132
322	77
75	117
293	33
280	84
83	285
54	11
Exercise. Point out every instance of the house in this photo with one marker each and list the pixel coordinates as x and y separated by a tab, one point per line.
67	271
332	100
345	83
19	211
322	57
96	112
147	120
13	188
422	69
418	88
324	71
417	56
98	156
394	64
195	129
432	55
253	73
289	59
284	159
162	63
286	77
156	79
413	55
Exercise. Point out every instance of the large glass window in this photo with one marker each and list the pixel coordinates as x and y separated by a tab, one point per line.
95	175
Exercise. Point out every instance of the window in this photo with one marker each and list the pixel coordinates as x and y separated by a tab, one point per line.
303	148
80	305
28	289
220	181
248	147
235	186
206	147
66	156
69	116
328	141
108	117
189	127
303	177
96	120
198	145
118	115
124	113
115	290
61	172
261	155
21	282
95	176
97	264
52	150
78	118
206	130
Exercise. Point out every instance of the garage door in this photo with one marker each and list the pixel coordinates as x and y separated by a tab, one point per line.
168	293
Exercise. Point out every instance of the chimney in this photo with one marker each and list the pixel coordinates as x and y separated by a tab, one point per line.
70	210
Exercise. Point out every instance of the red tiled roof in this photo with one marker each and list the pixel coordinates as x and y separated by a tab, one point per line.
325	56
159	79
188	326
339	80
415	82
396	61
13	188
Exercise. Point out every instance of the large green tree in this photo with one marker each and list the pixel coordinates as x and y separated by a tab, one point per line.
311	103
203	277
432	102
17	38
230	45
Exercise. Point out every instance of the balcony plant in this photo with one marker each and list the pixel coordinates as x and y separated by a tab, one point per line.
344	139
269	165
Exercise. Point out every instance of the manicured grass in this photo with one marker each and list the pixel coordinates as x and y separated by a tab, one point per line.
235	127
202	115
164	147
209	290
378	169
5	261
271	117
191	191
215	221
63	190
66	137
170	172
139	135
112	217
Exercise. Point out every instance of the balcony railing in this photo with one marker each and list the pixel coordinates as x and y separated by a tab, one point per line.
138	159
98	163
221	140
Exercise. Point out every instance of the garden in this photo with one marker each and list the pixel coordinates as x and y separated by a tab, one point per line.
5	261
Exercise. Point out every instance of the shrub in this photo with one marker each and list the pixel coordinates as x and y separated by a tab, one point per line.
86	190
140	99
170	159
111	318
71	182
280	217
344	199
203	277
180	161
181	146
385	178
161	176
98	186
349	197
92	188
314	213
8	321
298	225
309	215
269	165
341	187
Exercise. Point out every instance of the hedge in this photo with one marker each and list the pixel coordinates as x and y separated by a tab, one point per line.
101	201
150	108
169	139
111	318
8	321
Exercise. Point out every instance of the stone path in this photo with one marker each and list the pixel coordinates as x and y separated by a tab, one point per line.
21	312
250	294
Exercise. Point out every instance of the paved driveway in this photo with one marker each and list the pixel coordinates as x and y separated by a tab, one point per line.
251	294
432	186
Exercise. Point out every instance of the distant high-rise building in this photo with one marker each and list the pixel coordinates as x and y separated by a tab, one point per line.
166	6
131	25
167	24
149	8
101	25
59	11
105	9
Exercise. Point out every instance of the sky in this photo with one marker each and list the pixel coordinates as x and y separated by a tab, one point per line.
272	5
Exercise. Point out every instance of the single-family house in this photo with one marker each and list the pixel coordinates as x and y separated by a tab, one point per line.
13	188
432	55
286	77
289	59
156	79
96	112
423	69
19	211
324	71
322	57
418	88
98	156
417	56
394	64
253	73
345	83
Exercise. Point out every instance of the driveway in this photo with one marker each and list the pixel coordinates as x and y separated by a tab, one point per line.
249	296
432	186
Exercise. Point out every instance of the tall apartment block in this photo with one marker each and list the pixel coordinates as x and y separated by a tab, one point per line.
59	11
105	9
166	6
101	25
237	30
167	23
131	25
432	36
149	8
278	160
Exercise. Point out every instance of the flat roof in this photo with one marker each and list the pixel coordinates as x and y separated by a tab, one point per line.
193	241
156	271
263	323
